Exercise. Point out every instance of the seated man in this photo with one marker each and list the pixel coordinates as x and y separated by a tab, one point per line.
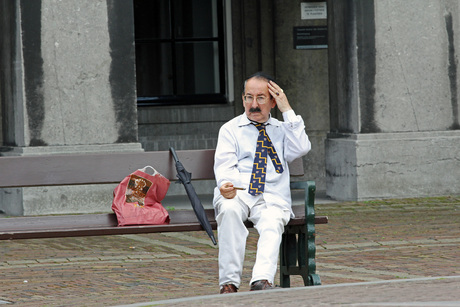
251	186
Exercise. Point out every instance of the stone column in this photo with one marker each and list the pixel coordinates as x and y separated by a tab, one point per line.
394	99
67	86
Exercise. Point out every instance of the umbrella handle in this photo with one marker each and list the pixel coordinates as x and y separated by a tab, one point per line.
173	152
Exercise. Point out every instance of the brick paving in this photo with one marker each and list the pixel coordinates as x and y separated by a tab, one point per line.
364	242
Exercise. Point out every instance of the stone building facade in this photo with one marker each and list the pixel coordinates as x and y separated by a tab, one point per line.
379	100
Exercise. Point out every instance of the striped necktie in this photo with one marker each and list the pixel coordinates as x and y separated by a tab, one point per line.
259	169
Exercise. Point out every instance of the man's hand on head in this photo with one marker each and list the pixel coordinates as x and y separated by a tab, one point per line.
280	97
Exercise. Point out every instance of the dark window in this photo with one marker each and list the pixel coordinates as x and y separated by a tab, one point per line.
179	51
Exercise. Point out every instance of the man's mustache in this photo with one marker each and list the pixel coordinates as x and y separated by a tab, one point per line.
256	109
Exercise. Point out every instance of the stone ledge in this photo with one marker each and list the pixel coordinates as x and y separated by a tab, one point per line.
69	149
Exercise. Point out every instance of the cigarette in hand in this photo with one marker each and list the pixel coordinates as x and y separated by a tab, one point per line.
238	188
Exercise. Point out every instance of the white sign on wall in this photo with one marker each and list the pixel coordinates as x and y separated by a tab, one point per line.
313	10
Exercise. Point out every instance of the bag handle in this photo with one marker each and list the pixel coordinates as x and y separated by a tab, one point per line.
148	166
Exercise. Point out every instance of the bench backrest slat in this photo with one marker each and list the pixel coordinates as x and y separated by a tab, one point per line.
98	168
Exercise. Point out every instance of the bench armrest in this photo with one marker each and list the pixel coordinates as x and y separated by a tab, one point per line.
310	189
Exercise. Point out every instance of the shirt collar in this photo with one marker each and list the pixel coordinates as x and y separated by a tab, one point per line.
244	121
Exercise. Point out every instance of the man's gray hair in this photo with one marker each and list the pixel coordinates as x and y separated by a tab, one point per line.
258	75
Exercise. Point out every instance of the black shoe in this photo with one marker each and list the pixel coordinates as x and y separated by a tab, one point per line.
228	288
261	285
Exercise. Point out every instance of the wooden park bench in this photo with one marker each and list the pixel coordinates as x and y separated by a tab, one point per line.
297	253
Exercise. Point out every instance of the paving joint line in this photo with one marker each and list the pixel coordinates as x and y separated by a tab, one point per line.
177	247
380	248
389	243
369	271
101	262
182	236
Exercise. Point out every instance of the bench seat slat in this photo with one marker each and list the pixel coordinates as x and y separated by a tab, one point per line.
106	224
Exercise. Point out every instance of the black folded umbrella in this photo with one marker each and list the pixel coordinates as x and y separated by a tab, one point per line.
185	177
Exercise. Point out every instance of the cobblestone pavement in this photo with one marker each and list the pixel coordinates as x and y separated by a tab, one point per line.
363	242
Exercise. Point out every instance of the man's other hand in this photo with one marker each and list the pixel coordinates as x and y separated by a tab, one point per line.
227	190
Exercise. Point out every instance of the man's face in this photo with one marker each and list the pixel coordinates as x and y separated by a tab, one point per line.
258	102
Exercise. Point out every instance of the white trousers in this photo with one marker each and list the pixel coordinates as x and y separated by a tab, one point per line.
269	221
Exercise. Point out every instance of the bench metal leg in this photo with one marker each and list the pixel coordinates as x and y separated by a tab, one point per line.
298	249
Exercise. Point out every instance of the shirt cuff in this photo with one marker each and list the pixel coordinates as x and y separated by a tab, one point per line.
289	116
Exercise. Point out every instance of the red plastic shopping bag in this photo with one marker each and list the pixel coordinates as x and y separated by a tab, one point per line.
137	199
